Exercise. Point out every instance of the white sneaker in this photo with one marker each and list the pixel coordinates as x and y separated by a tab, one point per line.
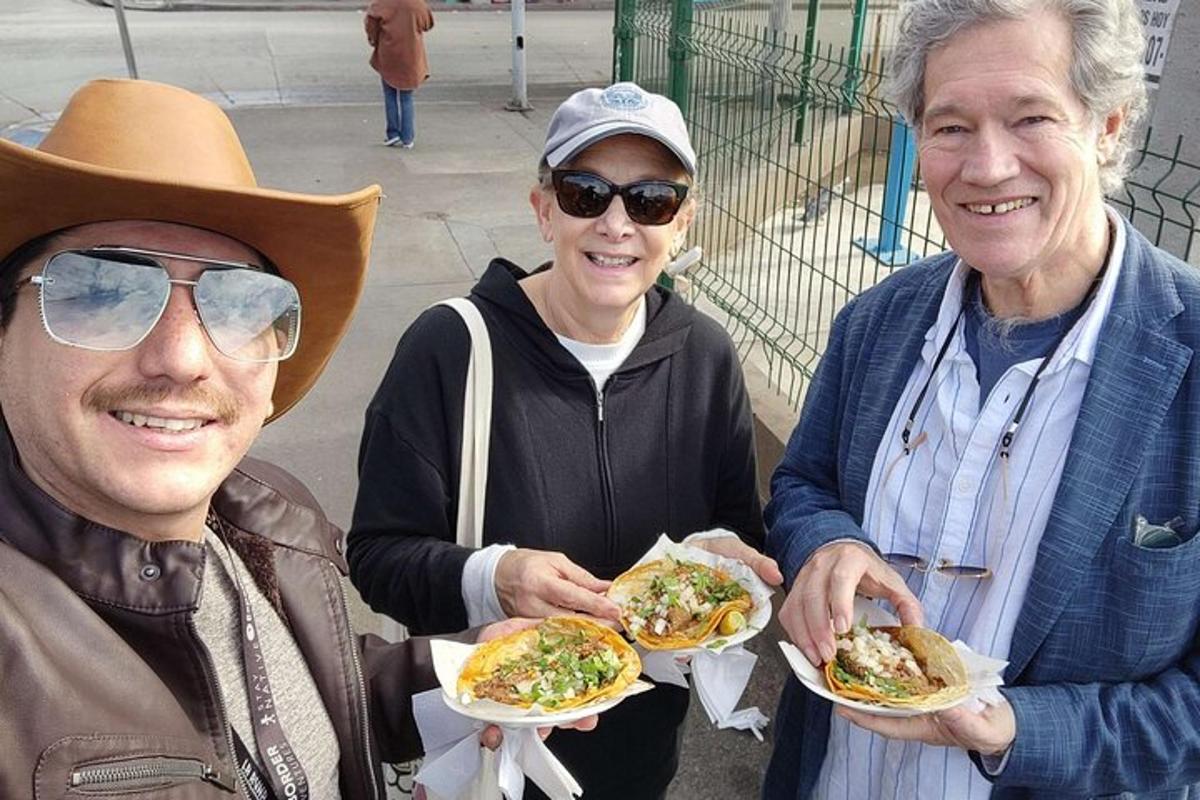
392	141
408	145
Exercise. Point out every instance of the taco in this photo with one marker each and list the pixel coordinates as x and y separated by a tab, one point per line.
899	666
562	663
670	604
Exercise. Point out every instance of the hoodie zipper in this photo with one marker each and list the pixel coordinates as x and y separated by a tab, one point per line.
606	487
141	773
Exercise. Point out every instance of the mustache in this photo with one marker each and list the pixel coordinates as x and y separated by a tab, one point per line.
197	397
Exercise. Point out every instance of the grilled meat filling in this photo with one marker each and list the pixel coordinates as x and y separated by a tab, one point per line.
560	667
688	593
875	659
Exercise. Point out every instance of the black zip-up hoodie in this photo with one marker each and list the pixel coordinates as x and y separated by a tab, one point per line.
665	446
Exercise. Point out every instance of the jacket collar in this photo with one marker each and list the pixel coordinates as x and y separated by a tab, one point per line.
99	563
1135	377
668	322
115	568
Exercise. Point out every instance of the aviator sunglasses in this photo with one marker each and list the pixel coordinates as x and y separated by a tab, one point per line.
110	298
587	195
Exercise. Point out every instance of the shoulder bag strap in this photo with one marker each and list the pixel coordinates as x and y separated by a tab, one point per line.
477	425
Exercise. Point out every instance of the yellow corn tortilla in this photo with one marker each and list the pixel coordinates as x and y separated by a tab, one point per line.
490	656
935	656
636	583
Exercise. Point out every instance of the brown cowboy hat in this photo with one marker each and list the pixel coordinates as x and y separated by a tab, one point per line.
126	150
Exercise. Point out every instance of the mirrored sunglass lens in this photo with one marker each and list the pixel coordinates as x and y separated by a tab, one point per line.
582	195
960	571
902	560
251	316
101	304
652	203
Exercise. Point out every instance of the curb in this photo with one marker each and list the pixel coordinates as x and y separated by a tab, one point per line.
29	132
347	5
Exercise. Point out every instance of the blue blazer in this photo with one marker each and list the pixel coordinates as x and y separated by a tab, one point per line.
1104	668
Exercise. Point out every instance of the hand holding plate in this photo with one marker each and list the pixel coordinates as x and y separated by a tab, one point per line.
990	732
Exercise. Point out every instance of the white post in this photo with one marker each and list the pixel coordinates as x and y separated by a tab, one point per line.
119	7
520	98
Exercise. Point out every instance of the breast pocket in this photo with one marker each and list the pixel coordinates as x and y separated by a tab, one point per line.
1156	597
129	766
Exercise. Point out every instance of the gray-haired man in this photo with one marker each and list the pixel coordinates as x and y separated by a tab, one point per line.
988	426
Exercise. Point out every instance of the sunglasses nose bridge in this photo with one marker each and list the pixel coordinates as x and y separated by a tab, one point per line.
180	323
615	219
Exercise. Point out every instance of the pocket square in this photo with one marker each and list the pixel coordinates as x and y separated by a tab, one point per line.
1157	537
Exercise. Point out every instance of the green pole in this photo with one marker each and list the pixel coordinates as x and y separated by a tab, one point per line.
850	85
679	53
810	46
623	32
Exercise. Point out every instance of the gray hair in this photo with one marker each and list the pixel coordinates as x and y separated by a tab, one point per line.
1106	61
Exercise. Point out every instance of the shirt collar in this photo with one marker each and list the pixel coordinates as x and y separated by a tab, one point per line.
1080	343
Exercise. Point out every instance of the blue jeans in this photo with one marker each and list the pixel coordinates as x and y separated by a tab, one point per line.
398	106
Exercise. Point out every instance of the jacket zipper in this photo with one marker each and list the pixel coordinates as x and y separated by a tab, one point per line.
212	672
610	505
222	711
362	692
142	773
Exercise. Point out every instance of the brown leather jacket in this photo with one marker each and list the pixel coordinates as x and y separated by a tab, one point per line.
100	666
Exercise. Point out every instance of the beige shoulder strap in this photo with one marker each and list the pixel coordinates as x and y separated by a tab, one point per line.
477	425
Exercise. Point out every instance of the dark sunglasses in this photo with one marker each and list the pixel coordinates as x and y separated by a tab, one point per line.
110	298
587	195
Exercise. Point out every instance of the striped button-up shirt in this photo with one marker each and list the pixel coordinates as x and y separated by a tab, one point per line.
954	501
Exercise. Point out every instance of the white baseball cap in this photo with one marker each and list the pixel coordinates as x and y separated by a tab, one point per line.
591	115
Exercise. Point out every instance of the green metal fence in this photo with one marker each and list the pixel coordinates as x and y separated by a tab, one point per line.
796	146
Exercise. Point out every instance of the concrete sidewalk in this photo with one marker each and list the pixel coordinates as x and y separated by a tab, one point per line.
242	58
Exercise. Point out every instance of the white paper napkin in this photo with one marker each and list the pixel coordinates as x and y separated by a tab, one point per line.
721	679
985	676
453	755
664	666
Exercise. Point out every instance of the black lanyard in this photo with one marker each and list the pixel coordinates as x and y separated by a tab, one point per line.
286	777
257	784
968	297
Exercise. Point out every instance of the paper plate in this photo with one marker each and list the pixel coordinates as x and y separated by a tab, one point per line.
448	660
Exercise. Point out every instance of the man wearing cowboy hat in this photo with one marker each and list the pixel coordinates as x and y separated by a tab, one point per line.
171	616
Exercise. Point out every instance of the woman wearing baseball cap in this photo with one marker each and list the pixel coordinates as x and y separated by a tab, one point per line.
619	413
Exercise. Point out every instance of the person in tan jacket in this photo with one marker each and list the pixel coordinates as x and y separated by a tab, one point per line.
394	30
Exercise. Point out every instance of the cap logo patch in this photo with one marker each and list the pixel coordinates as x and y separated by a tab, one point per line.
623	98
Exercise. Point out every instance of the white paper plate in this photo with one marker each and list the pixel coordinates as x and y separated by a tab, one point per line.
448	660
814	679
760	592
